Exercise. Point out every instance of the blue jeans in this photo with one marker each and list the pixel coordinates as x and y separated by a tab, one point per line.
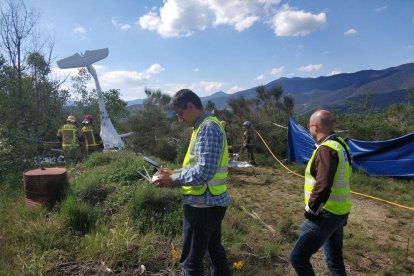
202	236
327	230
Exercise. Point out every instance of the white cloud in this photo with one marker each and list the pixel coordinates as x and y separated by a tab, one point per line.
310	68
177	18
258	78
129	78
335	72
380	9
202	88
235	89
350	32
277	71
196	69
291	22
122	77
211	86
155	69
79	30
130	83
121	26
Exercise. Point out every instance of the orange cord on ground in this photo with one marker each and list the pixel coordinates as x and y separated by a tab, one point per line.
363	195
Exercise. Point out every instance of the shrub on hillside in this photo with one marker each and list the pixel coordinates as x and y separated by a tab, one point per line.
124	170
157	210
164	150
99	159
94	193
78	216
6	154
151	126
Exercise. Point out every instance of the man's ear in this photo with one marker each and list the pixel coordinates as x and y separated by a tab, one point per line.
190	106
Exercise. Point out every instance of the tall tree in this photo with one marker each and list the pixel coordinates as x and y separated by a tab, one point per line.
16	24
86	101
241	107
288	103
276	93
262	96
46	98
30	101
410	96
157	98
210	106
155	130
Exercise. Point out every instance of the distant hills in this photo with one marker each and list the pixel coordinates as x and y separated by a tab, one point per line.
387	86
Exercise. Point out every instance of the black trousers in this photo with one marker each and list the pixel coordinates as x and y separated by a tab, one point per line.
202	236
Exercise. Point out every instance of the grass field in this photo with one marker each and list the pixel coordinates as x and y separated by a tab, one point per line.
113	222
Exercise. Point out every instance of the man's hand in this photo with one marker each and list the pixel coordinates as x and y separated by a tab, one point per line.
162	178
309	216
309	213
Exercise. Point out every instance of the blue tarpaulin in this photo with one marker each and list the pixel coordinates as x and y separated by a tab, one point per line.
394	157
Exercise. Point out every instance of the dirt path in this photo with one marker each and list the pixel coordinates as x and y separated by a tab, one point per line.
274	194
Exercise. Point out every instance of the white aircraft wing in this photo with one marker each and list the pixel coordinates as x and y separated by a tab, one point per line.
88	58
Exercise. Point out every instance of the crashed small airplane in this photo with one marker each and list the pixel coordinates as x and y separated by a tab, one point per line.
109	135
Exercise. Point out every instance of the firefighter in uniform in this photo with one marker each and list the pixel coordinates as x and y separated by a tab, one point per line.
228	135
93	141
249	141
70	137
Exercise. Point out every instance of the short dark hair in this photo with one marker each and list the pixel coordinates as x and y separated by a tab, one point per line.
184	96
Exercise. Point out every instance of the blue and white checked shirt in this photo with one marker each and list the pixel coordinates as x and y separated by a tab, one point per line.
208	152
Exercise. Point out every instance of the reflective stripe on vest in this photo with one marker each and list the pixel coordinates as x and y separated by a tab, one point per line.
339	201
217	185
89	134
69	136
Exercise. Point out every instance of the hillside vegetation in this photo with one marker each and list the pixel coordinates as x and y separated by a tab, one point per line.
114	222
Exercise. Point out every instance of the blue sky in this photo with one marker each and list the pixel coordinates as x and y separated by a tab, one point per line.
227	45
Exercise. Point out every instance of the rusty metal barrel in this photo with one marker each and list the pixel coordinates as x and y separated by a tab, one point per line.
44	186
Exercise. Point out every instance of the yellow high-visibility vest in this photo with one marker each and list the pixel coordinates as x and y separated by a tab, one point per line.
217	185
70	137
339	201
88	132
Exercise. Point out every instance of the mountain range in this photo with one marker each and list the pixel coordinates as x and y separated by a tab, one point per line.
386	87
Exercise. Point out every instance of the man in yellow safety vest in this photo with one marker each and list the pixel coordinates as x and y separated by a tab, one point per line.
327	198
203	183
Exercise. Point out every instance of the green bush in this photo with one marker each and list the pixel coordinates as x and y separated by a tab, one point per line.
157	210
6	155
90	188
123	171
164	150
152	128
99	159
77	215
117	244
94	194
